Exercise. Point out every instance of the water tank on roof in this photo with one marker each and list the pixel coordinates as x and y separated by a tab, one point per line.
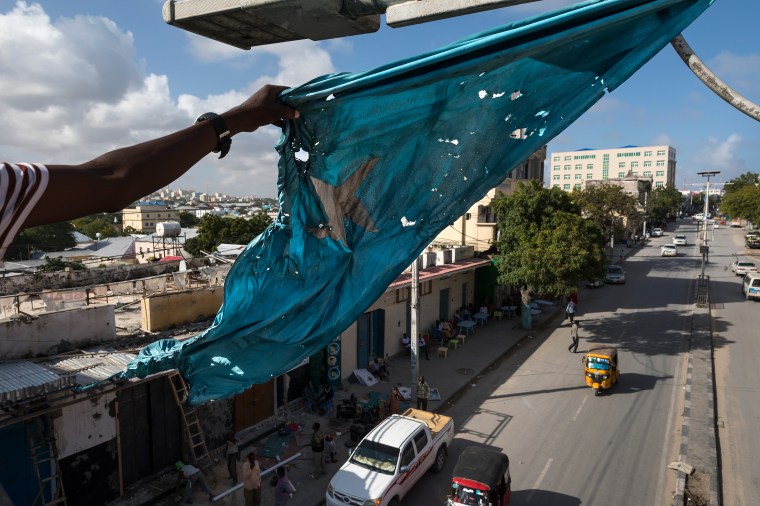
168	229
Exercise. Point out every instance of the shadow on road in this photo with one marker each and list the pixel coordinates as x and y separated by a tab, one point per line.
543	498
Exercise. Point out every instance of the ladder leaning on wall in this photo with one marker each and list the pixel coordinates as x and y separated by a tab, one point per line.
193	430
43	452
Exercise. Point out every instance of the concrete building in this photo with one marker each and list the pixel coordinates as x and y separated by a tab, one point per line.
478	227
146	214
569	169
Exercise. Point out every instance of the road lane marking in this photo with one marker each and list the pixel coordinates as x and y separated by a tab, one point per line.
539	479
578	411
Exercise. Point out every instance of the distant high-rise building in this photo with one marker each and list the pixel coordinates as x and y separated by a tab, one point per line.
570	169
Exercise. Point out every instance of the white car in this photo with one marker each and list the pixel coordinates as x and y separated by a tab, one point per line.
615	274
668	250
679	240
741	267
656	232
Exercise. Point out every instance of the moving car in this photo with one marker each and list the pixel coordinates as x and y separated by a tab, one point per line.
751	286
656	232
668	250
679	240
742	267
600	367
615	274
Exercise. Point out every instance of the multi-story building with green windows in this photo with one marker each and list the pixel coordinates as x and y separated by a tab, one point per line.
570	169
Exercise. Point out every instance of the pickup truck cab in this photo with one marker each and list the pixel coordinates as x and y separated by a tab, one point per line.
391	458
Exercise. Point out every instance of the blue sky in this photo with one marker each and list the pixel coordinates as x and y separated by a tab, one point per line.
81	77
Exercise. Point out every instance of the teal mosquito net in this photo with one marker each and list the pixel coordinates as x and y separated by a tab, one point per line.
381	161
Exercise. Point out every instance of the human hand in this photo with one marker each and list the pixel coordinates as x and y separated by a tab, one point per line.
261	108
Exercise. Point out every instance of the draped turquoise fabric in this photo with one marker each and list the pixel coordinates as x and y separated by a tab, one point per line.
381	161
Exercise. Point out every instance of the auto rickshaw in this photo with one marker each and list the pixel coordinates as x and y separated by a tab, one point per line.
481	478
601	367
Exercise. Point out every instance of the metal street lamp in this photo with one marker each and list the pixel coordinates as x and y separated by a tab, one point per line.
704	248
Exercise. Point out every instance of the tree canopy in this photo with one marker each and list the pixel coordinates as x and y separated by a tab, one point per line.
98	223
663	202
742	201
606	204
215	230
53	237
545	246
188	220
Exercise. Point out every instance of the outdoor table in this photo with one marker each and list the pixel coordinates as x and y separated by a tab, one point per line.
481	318
467	326
510	311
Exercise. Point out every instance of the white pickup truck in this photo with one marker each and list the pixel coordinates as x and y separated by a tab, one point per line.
387	463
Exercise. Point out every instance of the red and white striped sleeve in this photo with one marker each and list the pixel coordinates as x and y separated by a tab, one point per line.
21	186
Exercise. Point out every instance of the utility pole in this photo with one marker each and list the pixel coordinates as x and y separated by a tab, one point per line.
705	248
415	326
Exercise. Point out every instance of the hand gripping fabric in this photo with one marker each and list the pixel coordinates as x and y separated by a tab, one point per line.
381	161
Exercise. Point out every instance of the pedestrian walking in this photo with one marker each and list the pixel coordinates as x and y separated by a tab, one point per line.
318	451
252	480
570	311
574	334
332	448
233	457
284	489
423	393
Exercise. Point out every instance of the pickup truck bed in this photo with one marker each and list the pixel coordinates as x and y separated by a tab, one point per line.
435	422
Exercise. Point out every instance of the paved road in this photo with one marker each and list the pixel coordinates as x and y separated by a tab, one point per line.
566	446
737	358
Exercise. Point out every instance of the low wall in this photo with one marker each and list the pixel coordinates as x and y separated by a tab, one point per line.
30	336
164	311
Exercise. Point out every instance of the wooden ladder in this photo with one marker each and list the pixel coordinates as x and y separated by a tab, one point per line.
193	430
44	451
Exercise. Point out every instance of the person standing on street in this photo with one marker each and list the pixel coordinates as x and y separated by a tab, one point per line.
574	334
233	457
284	489
570	311
318	451
252	481
423	393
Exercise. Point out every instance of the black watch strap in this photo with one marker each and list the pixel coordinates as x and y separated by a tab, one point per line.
224	138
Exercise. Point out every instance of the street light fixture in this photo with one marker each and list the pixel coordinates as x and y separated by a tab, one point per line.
704	248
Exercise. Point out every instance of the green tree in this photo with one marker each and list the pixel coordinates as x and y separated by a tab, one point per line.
188	220
545	246
743	203
609	207
53	237
59	264
746	179
95	224
215	230
663	202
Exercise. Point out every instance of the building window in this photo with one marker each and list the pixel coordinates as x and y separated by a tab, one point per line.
567	167
635	173
577	186
647	173
403	294
556	159
556	167
567	176
660	173
579	176
566	187
426	288
648	163
621	174
568	157
621	165
661	163
589	176
555	177
647	153
578	166
658	184
590	166
660	152
634	165
555	186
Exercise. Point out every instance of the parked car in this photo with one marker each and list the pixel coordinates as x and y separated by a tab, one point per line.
742	267
656	232
679	240
615	274
668	250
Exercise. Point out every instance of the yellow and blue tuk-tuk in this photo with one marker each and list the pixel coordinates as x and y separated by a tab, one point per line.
601	367
480	478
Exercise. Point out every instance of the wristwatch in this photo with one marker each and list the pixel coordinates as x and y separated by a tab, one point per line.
224	138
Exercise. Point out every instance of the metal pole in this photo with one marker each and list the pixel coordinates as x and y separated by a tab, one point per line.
415	326
708	175
263	473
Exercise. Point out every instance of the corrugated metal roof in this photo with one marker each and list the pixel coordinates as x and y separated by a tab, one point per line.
24	380
89	368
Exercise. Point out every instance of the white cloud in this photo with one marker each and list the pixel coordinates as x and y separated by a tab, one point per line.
719	154
741	72
72	88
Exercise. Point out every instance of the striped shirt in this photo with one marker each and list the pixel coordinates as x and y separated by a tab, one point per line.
21	186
